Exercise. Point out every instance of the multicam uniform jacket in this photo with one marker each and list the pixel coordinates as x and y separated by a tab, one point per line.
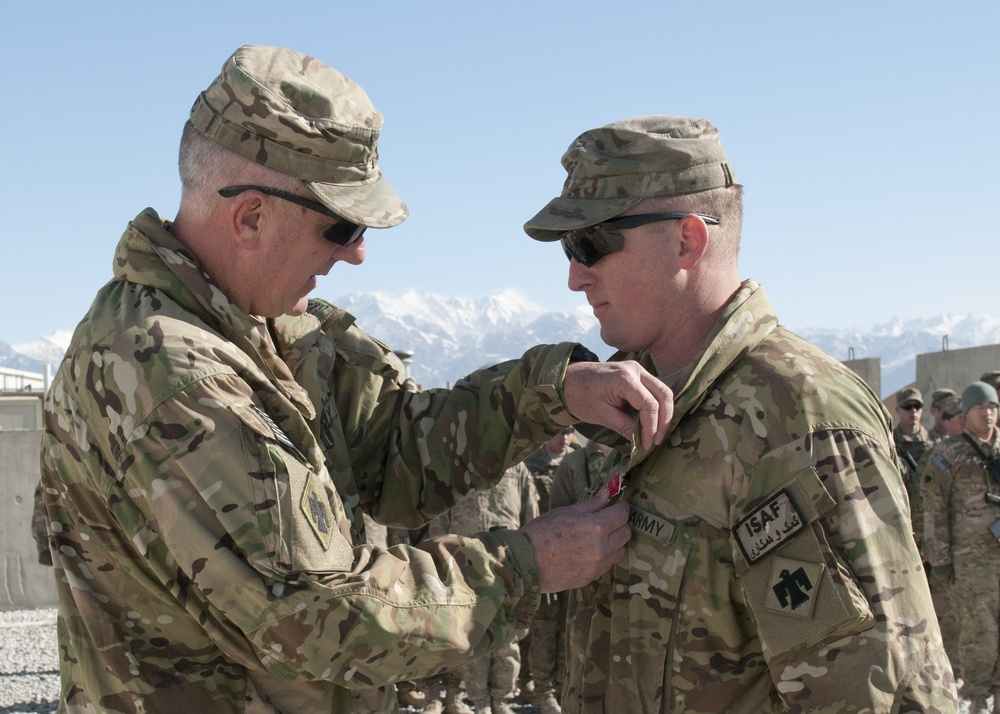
771	566
205	476
957	517
576	473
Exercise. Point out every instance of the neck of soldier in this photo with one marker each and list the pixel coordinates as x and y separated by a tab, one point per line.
982	433
693	319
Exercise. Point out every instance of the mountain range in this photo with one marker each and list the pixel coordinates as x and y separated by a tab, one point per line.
452	336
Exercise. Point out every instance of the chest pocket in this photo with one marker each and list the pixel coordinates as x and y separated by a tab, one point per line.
298	511
800	590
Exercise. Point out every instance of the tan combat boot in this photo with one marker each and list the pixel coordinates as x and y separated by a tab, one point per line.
453	702
500	706
547	704
409	695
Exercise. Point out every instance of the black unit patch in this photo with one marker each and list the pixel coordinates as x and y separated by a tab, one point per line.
793	587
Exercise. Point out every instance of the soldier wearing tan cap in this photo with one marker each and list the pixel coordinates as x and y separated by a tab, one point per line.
909	435
214	438
938	430
771	566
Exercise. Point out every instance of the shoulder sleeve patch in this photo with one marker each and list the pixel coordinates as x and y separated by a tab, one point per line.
768	527
940	461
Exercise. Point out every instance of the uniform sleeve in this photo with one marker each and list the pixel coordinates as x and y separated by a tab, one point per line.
242	530
843	610
417	453
934	483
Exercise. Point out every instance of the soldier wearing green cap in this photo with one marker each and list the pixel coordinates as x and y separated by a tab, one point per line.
960	488
214	438
771	566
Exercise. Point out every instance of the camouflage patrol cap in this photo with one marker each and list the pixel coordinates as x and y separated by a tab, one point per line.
612	168
992	378
939	395
950	406
909	394
977	393
296	115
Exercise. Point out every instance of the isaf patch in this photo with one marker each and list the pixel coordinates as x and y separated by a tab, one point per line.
768	527
793	587
941	462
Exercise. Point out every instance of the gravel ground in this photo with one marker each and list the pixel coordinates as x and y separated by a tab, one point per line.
29	673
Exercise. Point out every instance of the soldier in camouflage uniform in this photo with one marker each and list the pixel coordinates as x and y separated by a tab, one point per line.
577	472
490	680
909	436
213	437
544	644
992	378
960	483
771	566
939	430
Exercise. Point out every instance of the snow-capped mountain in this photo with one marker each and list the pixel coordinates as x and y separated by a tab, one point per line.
450	337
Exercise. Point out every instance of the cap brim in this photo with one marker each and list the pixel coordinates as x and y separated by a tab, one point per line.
374	203
567	214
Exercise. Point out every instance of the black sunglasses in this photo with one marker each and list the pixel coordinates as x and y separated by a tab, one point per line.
912	407
588	245
343	232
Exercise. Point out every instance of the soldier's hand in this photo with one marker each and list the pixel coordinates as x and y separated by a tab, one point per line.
599	392
576	544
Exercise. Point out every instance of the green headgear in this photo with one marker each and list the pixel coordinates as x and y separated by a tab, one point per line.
977	393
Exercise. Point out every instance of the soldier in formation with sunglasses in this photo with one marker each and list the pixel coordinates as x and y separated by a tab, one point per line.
960	488
771	565
909	436
214	436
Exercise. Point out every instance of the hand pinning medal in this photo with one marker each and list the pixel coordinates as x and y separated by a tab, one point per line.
616	488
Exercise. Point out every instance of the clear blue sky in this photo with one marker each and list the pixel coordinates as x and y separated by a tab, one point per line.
865	134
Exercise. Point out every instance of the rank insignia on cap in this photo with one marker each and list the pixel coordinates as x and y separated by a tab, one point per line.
768	527
793	587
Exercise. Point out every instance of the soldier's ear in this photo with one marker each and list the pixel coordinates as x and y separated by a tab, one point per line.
246	218
693	241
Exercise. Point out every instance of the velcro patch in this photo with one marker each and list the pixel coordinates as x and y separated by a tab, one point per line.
941	462
317	511
793	587
279	436
656	527
769	526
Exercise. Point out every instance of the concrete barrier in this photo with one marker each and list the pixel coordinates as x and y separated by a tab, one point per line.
25	583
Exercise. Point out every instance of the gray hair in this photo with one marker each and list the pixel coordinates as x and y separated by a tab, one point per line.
205	166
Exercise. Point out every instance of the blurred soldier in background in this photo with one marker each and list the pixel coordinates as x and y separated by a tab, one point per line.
909	436
960	486
544	641
490	681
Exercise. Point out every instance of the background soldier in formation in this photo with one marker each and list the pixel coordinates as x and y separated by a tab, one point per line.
771	566
939	430
910	436
544	643
960	484
490	681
